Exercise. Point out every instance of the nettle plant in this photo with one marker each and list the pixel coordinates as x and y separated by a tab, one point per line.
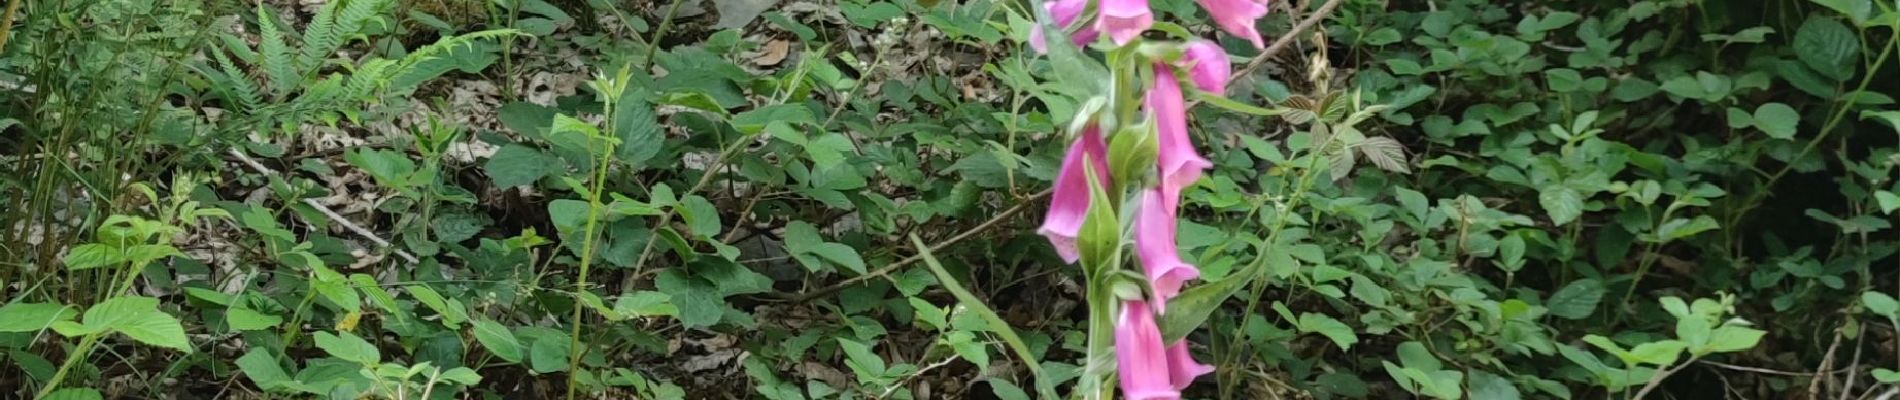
1129	159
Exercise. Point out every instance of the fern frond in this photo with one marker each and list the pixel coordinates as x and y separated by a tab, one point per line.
238	48
275	55
237	87
367	78
319	37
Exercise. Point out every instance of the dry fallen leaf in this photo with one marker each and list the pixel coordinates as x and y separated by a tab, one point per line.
773	53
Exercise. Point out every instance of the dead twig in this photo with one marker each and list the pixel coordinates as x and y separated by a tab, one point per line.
338	218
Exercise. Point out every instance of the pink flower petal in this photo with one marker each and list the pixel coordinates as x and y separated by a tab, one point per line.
1179	164
1141	359
1155	243
1237	17
1209	66
1182	369
1125	19
1065	13
1069	205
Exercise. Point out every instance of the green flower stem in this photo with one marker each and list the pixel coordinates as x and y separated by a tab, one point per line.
575	344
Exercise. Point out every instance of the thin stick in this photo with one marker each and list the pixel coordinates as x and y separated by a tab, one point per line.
1287	40
886	270
365	233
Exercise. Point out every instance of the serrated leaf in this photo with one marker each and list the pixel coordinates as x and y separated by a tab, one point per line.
33	317
246	319
1562	204
1577	299
638	129
348	347
516	165
91	255
497	339
1829	47
138	317
1385	153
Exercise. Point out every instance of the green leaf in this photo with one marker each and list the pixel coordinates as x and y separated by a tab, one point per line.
1876	302
348	347
1828	47
637	128
700	305
528	119
702	217
264	371
497	339
754	121
1730	338
861	359
1577	299
1886	375
1777	120
1487	386
1563	204
645	304
138	317
1857	11
549	354
1339	332
1414	355
453	312
1888	201
33	317
462	376
1194	305
74	394
1661	353
516	165
91	255
997	325
246	319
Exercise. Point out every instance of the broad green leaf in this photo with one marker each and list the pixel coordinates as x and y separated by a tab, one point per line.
1777	120
1857	11
1415	355
754	121
33	317
549	354
702	217
1191	308
861	359
1730	338
348	347
516	165
91	255
1886	375
1660	353
1876	302
246	319
263	370
453	312
462	376
1888	201
1829	47
497	339
74	394
138	317
645	304
1339	332
1577	299
699	302
1486	386
1563	204
637	128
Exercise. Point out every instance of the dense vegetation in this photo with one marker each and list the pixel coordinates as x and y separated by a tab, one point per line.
816	199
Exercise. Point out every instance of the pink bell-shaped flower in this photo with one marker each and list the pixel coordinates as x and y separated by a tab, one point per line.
1182	369
1237	17
1179	164
1208	65
1065	13
1155	242
1141	359
1125	19
1069	205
